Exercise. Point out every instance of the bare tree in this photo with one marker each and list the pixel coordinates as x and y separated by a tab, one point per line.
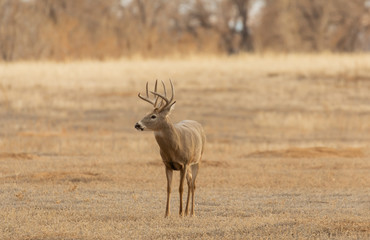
311	25
8	33
242	10
63	29
228	19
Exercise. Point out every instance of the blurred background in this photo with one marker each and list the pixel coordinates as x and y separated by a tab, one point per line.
281	87
105	29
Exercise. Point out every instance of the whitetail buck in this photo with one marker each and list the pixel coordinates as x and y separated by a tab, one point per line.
181	144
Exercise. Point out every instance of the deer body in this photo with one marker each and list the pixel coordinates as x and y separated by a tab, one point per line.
181	145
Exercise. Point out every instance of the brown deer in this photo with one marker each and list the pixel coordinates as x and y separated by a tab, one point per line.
181	144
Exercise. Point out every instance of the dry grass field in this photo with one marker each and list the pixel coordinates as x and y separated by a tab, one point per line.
287	157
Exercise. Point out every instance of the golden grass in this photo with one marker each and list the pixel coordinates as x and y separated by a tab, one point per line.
312	152
287	154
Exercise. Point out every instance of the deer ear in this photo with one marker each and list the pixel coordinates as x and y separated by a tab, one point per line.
172	106
169	109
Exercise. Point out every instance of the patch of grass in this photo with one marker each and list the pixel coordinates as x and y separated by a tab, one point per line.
287	155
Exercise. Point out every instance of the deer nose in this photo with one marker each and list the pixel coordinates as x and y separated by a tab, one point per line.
139	127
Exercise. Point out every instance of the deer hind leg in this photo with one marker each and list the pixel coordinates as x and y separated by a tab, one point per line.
194	171
181	187
169	182
190	182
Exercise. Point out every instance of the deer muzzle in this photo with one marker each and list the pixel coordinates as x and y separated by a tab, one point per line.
139	127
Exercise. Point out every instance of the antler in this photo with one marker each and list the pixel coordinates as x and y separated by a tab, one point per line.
168	102
164	98
147	99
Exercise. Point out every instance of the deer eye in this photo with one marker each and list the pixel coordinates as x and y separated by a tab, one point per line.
153	117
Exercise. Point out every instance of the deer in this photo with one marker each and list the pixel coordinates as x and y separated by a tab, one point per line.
181	144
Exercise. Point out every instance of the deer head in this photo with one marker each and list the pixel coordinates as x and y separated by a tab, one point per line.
162	107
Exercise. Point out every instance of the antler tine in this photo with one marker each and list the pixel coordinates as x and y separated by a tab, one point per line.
156	101
147	93
161	96
172	91
164	89
145	99
147	96
155	90
165	94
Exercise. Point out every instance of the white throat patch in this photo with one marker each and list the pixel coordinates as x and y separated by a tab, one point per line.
158	134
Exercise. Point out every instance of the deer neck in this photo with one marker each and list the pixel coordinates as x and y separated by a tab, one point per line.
167	137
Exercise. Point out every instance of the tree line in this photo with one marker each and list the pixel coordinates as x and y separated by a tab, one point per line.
101	29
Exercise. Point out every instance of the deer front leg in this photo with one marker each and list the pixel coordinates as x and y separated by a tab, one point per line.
181	188
169	182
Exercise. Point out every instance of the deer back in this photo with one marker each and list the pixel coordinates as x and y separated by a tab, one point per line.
191	140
